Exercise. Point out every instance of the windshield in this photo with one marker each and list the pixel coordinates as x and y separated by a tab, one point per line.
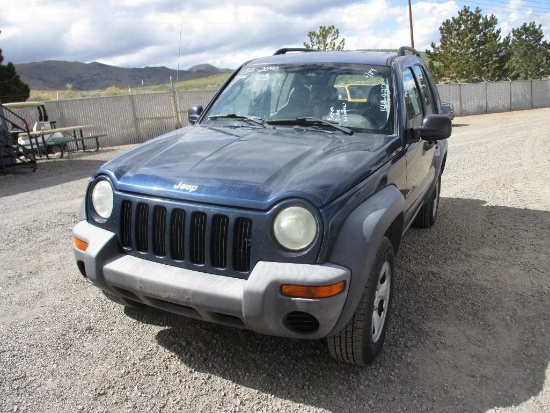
354	96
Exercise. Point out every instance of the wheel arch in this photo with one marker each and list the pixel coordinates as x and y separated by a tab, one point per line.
381	215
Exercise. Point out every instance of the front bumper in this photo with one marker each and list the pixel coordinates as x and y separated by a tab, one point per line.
255	304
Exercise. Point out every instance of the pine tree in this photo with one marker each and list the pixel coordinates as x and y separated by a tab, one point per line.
528	54
470	49
12	88
325	39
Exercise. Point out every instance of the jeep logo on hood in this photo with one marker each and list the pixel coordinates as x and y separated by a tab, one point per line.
185	187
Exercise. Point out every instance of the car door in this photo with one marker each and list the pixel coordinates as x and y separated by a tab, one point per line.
419	102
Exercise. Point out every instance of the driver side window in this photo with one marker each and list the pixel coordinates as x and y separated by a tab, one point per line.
413	104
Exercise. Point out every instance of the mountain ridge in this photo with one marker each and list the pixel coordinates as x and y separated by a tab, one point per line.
61	75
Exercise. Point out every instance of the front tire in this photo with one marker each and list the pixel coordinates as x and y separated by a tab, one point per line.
361	340
56	150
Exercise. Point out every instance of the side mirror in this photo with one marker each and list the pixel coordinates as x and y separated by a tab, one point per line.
193	114
436	127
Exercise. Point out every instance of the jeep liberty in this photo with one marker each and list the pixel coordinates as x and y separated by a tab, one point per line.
281	208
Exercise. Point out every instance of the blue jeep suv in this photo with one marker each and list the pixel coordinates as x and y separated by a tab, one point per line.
281	208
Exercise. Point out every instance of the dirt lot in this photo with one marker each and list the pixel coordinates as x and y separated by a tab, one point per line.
470	331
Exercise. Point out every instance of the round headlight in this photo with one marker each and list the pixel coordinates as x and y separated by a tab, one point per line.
295	228
102	199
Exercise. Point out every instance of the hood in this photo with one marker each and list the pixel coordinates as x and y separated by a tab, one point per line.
248	167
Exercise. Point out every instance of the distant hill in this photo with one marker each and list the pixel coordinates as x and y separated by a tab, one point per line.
56	75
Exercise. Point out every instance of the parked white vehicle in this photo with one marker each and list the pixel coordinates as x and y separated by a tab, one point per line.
39	136
44	139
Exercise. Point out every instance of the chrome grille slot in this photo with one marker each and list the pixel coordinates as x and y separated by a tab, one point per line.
142	226
218	251
126	224
159	231
177	235
198	238
242	244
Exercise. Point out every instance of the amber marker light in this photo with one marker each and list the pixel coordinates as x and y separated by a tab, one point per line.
81	245
312	291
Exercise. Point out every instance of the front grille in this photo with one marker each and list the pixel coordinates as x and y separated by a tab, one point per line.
184	236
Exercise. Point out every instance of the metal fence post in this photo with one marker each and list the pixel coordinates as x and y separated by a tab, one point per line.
486	97
134	118
460	98
532	100
59	105
175	107
510	89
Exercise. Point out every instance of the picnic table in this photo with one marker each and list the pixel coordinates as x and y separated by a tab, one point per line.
62	140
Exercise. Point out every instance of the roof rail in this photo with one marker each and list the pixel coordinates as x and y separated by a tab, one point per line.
404	49
285	50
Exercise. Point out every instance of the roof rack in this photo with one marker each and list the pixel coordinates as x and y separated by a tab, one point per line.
404	49
285	50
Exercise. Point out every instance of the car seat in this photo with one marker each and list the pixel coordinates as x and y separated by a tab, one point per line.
298	104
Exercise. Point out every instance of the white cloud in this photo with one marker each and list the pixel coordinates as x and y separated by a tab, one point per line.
516	12
138	33
428	18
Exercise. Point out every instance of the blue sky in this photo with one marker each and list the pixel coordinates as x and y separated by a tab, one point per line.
181	34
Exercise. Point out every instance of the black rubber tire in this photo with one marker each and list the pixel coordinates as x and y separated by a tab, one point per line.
56	150
126	302
357	343
427	215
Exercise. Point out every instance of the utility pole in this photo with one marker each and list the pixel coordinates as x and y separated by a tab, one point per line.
411	23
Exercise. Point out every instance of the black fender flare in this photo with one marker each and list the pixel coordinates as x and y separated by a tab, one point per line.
358	240
442	158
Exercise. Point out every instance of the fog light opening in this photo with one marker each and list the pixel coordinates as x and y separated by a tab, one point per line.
81	268
301	323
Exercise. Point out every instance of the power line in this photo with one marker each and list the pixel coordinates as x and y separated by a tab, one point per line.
506	4
495	5
531	8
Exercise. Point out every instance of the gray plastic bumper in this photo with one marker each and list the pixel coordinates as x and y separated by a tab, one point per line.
256	303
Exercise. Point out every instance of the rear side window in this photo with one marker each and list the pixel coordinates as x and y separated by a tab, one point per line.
413	102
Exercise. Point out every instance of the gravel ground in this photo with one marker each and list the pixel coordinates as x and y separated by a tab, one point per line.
470	331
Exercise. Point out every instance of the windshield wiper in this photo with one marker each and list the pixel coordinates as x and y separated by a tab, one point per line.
254	119
310	121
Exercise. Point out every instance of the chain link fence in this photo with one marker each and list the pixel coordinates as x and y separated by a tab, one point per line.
133	118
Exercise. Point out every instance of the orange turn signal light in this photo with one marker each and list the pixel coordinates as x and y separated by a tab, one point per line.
81	245
312	291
